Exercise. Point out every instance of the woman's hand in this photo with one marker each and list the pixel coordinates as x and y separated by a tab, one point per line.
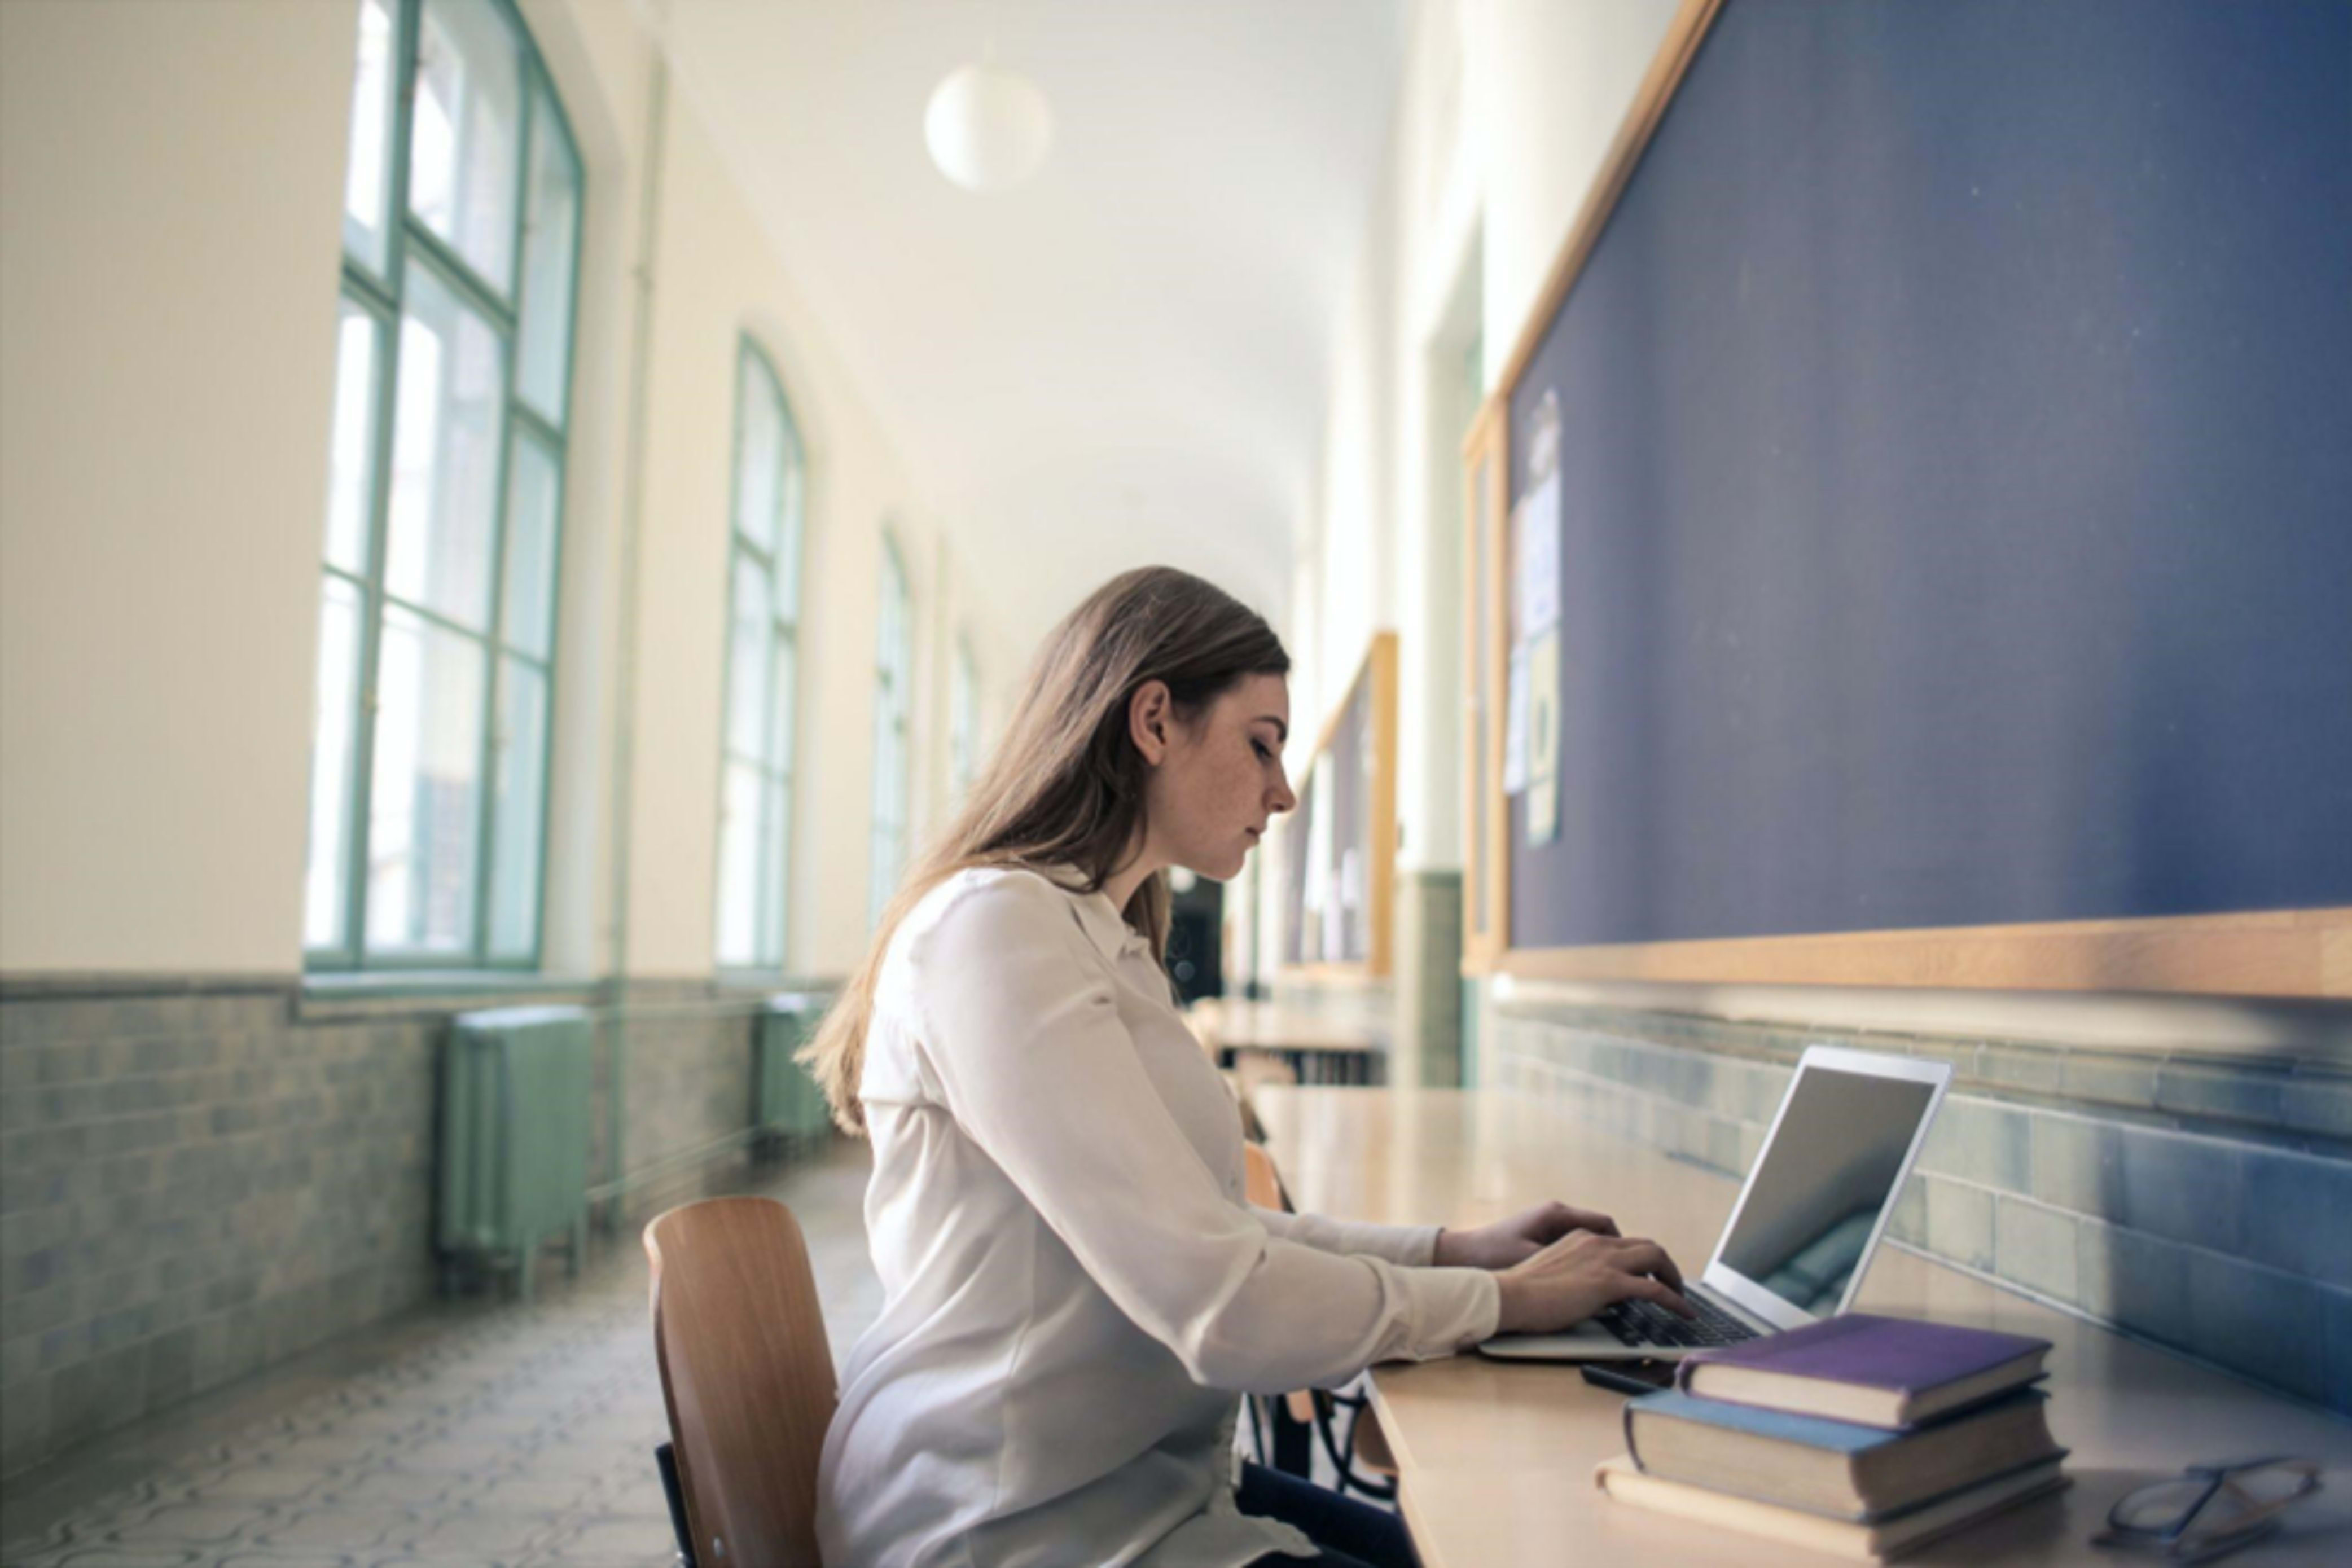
1578	1275
1518	1239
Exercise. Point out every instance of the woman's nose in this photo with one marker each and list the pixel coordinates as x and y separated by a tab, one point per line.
1283	799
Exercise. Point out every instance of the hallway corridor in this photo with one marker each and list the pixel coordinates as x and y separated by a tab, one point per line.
470	1435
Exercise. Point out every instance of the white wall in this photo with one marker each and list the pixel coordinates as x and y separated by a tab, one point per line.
168	239
1549	84
168	276
1507	110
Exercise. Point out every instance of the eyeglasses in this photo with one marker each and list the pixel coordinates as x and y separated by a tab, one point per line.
2209	1510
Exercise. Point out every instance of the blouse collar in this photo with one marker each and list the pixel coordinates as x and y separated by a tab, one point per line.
1105	926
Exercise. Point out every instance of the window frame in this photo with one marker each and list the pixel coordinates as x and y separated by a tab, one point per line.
789	556
894	706
383	296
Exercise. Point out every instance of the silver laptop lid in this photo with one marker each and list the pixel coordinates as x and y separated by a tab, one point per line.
1814	1206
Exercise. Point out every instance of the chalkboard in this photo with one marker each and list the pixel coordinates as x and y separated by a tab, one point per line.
1952	419
1338	846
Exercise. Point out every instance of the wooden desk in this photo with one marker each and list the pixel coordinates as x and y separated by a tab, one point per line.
1316	1050
1496	1457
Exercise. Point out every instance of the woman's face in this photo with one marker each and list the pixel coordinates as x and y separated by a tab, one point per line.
1218	780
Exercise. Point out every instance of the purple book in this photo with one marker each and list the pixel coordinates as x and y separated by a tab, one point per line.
1895	1373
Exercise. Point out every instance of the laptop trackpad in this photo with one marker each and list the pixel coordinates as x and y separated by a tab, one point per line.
1587	1341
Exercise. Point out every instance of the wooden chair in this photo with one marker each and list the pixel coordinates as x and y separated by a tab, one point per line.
747	1374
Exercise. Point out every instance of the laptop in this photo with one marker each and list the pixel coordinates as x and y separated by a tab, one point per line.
1811	1214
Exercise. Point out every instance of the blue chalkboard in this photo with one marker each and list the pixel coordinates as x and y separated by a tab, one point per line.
1955	450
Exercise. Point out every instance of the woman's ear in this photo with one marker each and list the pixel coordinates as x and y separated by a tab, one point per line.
1149	718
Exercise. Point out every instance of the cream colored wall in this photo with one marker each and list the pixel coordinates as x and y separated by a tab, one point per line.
164	226
1505	113
168	251
1551	86
715	278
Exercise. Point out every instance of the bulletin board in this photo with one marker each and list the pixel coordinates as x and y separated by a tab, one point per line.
1338	846
1912	539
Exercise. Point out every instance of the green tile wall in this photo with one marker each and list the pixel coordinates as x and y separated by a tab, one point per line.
197	1180
2196	1202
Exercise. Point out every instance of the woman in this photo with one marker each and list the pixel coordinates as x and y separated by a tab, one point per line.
1074	1290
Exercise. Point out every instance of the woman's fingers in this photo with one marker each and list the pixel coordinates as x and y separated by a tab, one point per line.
1589	1219
1651	1290
1646	1257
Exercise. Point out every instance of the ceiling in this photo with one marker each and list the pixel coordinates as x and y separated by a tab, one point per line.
1124	361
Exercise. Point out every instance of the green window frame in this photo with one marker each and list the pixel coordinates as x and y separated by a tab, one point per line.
893	713
760	709
462	219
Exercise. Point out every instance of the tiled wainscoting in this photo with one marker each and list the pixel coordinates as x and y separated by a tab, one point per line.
1428	1046
2203	1203
199	1178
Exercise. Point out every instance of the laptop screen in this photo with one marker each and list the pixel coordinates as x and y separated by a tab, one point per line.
1826	1176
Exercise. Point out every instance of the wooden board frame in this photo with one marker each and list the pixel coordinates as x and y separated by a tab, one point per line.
2281	953
1486	818
1378	667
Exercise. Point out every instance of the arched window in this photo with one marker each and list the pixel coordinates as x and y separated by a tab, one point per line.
763	588
461	225
893	710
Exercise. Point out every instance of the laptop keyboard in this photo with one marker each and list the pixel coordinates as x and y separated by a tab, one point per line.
1646	1323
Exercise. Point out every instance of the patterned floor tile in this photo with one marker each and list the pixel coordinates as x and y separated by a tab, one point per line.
521	1438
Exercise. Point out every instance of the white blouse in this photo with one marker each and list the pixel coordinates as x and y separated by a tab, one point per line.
1074	1289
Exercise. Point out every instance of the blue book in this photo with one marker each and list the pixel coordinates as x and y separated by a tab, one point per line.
1836	1468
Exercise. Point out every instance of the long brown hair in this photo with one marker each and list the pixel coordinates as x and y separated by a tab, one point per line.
1065	788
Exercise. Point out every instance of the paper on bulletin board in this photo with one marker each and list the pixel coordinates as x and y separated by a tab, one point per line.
1537	522
1543	738
1515	722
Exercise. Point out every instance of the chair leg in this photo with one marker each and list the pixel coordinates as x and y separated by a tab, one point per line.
666	1461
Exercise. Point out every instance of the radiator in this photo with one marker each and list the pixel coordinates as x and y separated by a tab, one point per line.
515	1088
786	1100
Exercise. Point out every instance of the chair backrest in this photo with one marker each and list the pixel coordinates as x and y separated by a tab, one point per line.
1260	1182
747	1374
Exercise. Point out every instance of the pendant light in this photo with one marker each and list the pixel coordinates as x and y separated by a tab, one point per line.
988	128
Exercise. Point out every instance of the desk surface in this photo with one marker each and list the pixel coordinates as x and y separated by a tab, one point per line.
1496	1457
1266	1025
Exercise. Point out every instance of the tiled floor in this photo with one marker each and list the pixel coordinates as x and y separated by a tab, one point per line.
506	1436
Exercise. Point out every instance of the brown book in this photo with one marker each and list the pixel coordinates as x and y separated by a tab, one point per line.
1857	1542
1833	1468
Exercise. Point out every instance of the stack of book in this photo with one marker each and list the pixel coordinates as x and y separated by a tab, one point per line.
1859	1435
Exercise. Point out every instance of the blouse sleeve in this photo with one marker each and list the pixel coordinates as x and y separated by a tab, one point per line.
1412	1246
1019	1022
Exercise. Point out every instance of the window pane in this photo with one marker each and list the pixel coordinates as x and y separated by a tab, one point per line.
324	885
780	732
747	659
533	494
777	823
740	839
464	140
515	809
788	565
444	458
551	221
367	183
351	462
426	793
759	454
